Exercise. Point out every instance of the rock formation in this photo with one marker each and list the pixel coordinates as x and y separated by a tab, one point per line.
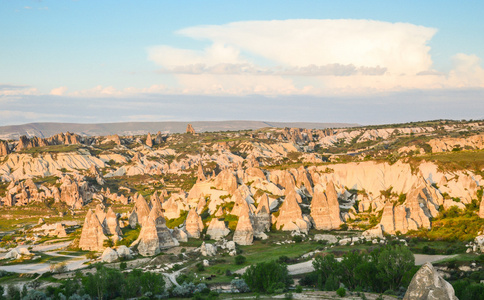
140	212
92	235
217	230
193	224
73	194
290	215
325	209
262	217
154	236
149	140
226	181
112	224
244	232
190	129
59	231
481	209
4	150
200	175
427	284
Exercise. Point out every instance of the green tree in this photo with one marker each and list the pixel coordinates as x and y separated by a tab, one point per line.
324	267
392	264
267	277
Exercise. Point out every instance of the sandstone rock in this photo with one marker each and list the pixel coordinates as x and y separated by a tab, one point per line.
59	231
226	181
124	252
481	209
325	209
193	224
262	218
4	150
290	215
331	239
155	236
428	284
190	129
73	194
111	223
217	229
140	212
149	140
180	235
92	235
109	255
244	233
200	174
480	242
208	249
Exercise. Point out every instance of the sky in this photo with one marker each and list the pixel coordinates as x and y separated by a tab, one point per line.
367	62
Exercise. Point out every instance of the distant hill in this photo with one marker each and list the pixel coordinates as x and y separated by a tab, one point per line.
133	128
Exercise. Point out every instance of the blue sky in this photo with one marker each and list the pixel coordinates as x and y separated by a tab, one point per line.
362	55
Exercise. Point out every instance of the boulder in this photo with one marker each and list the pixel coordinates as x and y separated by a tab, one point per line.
427	284
109	255
124	252
208	249
331	239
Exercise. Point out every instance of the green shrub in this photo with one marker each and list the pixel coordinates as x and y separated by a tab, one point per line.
341	292
239	260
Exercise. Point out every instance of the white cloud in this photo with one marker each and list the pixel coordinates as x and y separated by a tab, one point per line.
58	91
399	47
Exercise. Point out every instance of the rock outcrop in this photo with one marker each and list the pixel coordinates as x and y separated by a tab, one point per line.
140	212
262	217
325	209
244	233
193	224
154	236
149	140
112	224
92	235
190	129
290	215
481	209
217	229
4	150
59	230
427	284
226	181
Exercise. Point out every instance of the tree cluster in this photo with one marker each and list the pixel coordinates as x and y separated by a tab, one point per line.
384	269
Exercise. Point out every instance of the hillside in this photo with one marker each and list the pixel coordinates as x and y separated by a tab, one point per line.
134	128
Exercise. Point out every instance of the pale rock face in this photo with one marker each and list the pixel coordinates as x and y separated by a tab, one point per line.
109	255
244	232
180	235
208	249
92	235
480	242
154	237
373	233
200	174
190	129
325	209
290	215
124	252
149	140
59	231
427	284
415	213
140	212
172	208
112	224
4	150
75	195
331	239
217	229
262	217
193	224
226	181
240	204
